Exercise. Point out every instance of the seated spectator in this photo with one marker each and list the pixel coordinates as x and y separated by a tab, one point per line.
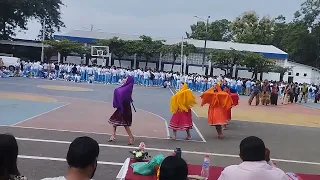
173	168
8	158
82	159
256	163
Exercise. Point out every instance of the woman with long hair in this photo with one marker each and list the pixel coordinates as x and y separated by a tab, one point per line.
8	158
122	100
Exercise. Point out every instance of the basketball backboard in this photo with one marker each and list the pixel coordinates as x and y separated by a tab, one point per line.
100	51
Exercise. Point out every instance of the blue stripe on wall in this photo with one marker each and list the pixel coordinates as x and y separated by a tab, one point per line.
92	40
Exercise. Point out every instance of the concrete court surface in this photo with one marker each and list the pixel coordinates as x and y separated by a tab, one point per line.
43	148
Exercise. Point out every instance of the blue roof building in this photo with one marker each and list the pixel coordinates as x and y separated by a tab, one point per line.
268	51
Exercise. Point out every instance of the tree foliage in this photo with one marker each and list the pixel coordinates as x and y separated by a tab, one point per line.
256	63
65	47
249	28
15	14
218	30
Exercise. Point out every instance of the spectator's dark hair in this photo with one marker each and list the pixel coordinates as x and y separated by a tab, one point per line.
83	151
173	168
252	149
8	156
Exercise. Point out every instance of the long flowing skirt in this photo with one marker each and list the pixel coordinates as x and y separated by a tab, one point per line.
229	114
274	98
181	121
265	98
120	118
217	116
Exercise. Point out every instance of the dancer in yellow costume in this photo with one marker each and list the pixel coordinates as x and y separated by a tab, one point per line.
219	104
180	106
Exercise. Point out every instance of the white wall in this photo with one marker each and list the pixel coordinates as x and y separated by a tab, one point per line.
124	64
73	59
195	69
150	65
167	67
217	71
302	73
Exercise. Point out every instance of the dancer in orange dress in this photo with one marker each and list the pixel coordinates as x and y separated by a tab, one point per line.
180	106
235	101
219	104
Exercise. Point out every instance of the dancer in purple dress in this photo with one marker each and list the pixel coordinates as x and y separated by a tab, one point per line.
122	100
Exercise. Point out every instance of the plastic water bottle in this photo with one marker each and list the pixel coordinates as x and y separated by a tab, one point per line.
205	167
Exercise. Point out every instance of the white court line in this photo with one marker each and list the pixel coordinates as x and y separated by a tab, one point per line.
96	133
63	160
166	150
166	124
40	114
165	121
194	125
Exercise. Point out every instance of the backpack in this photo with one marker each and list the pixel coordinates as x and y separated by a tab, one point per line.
152	76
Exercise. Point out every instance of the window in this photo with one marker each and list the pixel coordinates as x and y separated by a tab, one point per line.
297	74
289	73
305	74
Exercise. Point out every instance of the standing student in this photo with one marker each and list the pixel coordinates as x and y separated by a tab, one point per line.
122	100
180	106
274	94
219	104
265	93
255	94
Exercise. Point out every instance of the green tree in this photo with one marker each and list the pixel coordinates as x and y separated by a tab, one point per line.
249	28
49	11
148	48
221	59
49	52
218	30
16	13
228	59
256	63
65	47
280	30
175	51
116	45
310	12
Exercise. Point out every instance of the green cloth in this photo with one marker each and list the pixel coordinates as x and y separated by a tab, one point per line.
147	168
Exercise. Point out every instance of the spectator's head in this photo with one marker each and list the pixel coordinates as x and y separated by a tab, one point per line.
252	149
8	156
173	168
82	155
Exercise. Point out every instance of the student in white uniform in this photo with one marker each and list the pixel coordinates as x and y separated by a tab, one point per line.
256	163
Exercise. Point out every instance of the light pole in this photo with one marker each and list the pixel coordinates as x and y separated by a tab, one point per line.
43	37
205	40
181	68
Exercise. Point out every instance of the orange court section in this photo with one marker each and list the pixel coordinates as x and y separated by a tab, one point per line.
64	88
92	117
291	114
27	97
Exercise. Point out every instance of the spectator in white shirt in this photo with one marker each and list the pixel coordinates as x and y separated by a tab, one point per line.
82	159
256	163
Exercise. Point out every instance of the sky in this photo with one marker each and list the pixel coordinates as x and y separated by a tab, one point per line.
161	18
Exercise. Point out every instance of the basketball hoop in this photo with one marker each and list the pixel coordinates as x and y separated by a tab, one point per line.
100	51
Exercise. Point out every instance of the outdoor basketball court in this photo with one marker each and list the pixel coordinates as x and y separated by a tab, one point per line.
46	116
